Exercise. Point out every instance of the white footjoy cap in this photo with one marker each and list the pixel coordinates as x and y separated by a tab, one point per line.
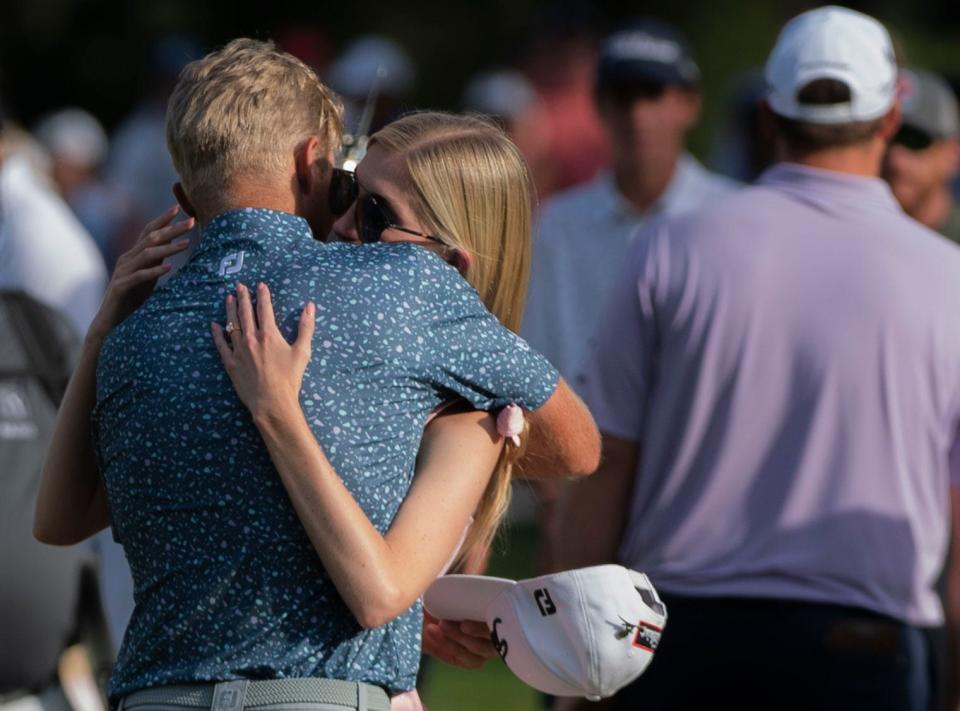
586	632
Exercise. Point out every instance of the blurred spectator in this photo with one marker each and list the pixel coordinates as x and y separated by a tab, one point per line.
44	250
924	158
77	145
561	63
368	62
777	379
744	146
46	253
138	162
648	96
309	45
508	96
51	282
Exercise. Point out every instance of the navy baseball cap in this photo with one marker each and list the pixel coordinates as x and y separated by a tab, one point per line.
643	52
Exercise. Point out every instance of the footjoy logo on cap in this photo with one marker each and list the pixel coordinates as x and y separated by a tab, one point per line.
544	602
231	264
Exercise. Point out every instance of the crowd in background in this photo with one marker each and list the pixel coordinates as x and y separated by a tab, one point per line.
603	164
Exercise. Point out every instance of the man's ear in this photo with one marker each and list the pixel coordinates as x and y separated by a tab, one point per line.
954	157
185	204
768	128
891	122
460	260
308	160
694	105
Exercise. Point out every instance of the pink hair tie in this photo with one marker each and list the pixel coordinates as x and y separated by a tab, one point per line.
510	423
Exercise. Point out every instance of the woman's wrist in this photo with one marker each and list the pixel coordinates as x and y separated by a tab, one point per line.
103	323
94	338
274	416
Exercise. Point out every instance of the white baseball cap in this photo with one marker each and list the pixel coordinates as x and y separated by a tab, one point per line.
586	632
833	43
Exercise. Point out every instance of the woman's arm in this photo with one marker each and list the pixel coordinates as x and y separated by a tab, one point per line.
379	576
72	503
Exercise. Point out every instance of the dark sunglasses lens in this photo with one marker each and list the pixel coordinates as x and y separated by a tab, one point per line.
638	90
912	138
371	220
343	191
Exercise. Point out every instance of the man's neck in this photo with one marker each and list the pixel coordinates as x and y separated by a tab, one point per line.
248	195
861	159
643	188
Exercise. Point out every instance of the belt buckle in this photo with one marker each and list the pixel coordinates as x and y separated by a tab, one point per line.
229	695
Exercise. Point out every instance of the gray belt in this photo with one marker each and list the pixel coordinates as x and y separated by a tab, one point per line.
276	694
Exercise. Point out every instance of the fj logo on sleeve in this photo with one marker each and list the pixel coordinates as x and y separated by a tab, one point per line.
544	602
231	264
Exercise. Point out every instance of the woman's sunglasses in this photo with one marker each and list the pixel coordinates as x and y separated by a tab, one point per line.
372	215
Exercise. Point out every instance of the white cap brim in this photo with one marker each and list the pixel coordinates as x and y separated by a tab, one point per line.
464	597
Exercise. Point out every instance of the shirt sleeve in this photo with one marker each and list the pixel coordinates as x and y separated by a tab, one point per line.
615	379
474	356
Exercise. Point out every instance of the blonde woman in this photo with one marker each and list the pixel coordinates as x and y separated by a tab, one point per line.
457	186
459	177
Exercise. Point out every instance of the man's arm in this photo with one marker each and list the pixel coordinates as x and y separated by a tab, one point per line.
598	505
563	439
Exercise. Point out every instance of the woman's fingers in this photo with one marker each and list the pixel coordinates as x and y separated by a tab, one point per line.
161	220
245	311
142	276
152	237
223	348
265	308
437	643
308	324
149	257
474	636
233	321
170	232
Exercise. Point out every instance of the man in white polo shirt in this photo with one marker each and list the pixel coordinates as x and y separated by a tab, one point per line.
778	382
648	97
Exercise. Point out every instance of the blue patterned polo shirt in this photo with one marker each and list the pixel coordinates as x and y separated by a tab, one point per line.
227	584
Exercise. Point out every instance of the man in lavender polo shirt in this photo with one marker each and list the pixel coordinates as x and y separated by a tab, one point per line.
778	381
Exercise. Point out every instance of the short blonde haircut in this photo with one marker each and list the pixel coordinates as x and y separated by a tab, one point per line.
241	112
471	187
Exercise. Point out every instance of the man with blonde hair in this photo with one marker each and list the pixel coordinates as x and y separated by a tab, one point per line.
241	123
230	591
